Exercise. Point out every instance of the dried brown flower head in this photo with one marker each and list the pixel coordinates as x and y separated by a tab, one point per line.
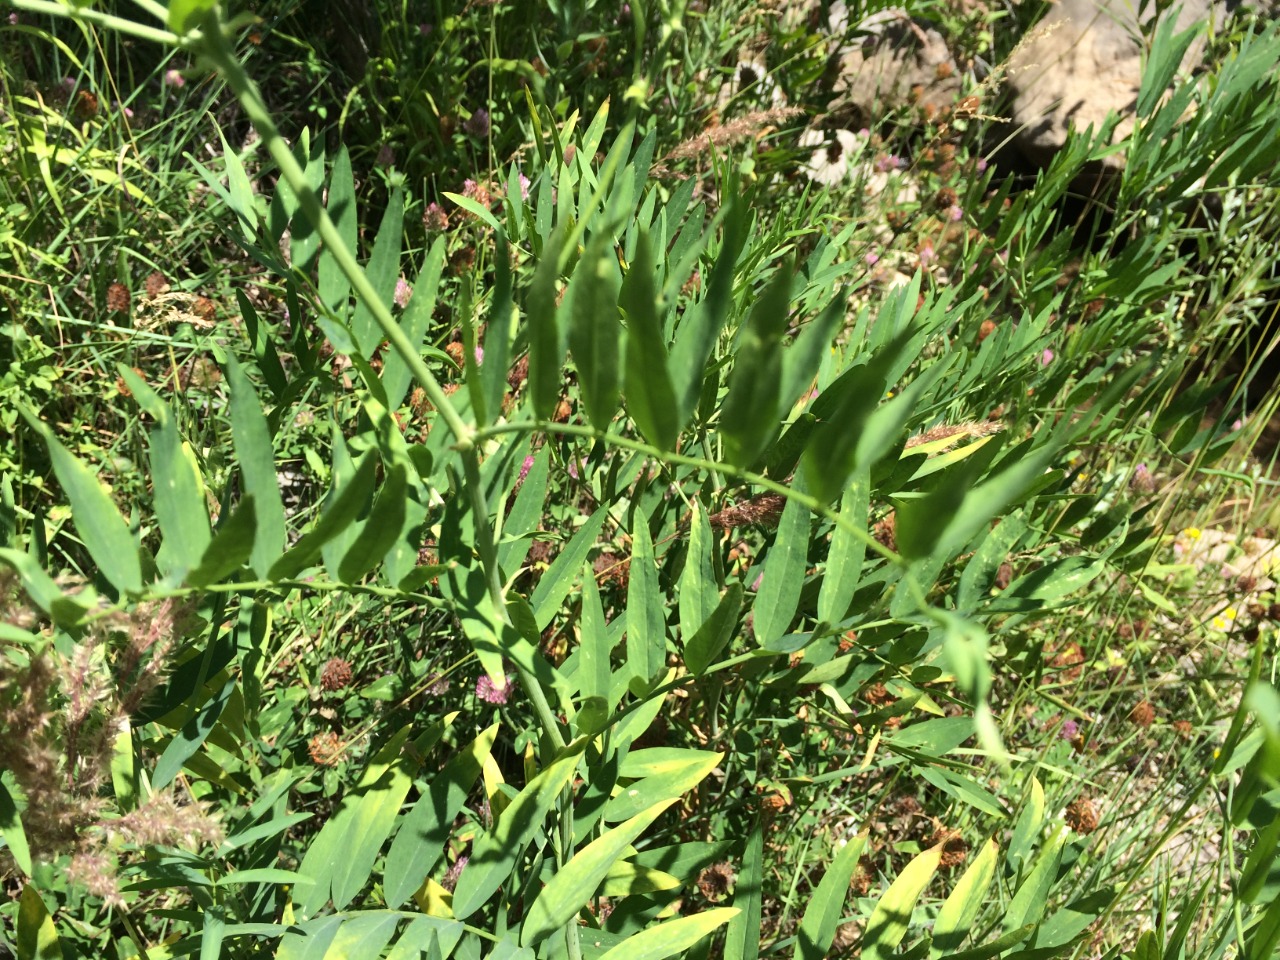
886	531
716	881
336	674
326	749
611	568
86	107
1143	714
1182	728
1081	815
204	308
156	284
987	329
118	298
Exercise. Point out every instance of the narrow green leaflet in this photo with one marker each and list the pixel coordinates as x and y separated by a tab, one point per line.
15	837
822	916
625	878
381	529
651	396
333	283
671	937
252	440
699	593
779	595
546	354
701	650
595	330
892	915
742	940
176	484
363	936
1027	830
494	855
427	938
383	270
191	737
425	829
328	860
1032	897
231	546
574	884
342	510
847	553
558	580
963	904
671	774
415	320
309	940
751	408
525	514
36	937
594	671
498	333
102	530
646	616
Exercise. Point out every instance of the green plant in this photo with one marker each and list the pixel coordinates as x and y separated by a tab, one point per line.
874	507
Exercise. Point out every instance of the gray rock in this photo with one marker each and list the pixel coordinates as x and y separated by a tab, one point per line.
1081	62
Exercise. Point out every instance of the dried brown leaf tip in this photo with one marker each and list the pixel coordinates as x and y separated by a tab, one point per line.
763	510
954	849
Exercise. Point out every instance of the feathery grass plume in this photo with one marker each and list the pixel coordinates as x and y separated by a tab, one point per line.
970	428
753	124
764	510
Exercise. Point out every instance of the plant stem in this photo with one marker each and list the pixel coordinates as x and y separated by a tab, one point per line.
100	19
812	503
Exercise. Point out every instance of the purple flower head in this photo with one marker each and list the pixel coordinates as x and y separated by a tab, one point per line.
479	355
1070	729
127	111
425	29
477	124
872	259
981	164
403	293
927	255
69	84
885	163
524	187
526	466
1046	358
954	213
175	79
435	219
487	691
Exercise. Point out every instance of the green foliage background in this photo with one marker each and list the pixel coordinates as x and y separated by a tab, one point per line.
496	533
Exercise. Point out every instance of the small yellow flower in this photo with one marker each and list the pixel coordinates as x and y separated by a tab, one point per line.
1192	533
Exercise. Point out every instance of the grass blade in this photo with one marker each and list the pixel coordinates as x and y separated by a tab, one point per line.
822	916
